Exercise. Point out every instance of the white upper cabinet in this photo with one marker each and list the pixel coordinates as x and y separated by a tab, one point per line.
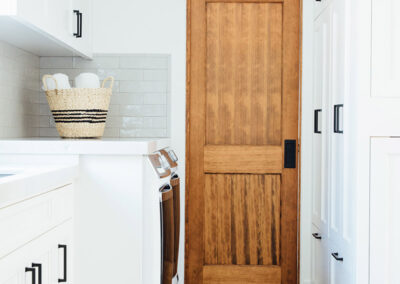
385	67
48	28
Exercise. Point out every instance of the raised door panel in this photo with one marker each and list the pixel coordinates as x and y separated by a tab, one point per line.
385	69
244	91
340	195
320	140
384	211
242	202
242	217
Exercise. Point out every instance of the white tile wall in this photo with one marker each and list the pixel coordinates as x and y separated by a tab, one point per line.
140	100
19	92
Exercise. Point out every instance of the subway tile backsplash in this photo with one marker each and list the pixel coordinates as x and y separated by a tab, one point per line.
140	100
19	92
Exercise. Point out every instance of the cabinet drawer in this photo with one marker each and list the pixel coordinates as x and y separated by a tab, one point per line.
26	220
44	251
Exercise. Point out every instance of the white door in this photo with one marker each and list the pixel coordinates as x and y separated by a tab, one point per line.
320	149
340	206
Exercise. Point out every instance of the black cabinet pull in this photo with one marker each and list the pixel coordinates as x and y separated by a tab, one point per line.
64	279
336	256
316	121
78	33
39	267
317	236
336	118
33	271
80	24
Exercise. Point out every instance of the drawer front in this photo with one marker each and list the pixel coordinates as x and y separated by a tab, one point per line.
26	220
44	251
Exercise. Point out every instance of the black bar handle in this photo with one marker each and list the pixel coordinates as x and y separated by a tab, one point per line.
77	23
64	279
80	24
39	267
336	256
316	121
33	271
317	236
336	118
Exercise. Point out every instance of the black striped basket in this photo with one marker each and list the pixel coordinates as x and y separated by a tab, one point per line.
79	112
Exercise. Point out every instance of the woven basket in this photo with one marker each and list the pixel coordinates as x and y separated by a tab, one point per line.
78	112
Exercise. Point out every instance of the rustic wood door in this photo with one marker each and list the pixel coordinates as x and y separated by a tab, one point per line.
243	94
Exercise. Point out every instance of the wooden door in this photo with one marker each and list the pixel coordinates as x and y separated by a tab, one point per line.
243	93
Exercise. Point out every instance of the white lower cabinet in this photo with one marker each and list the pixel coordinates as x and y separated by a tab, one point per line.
384	244
47	257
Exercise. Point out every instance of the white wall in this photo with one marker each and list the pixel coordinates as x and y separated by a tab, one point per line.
19	92
151	26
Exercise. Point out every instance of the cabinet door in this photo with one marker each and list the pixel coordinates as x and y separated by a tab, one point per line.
42	254
320	149
339	263
320	258
385	59
84	42
384	211
340	207
340	210
53	17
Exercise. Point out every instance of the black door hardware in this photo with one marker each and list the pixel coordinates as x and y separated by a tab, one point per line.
336	118
316	121
290	154
78	33
33	271
336	256
64	279
39	267
317	236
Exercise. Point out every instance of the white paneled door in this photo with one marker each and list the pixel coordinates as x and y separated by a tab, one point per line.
385	211
320	96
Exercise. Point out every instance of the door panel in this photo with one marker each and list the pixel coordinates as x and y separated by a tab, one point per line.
244	50
242	219
241	203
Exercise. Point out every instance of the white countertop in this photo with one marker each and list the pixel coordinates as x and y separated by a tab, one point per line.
105	146
29	181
